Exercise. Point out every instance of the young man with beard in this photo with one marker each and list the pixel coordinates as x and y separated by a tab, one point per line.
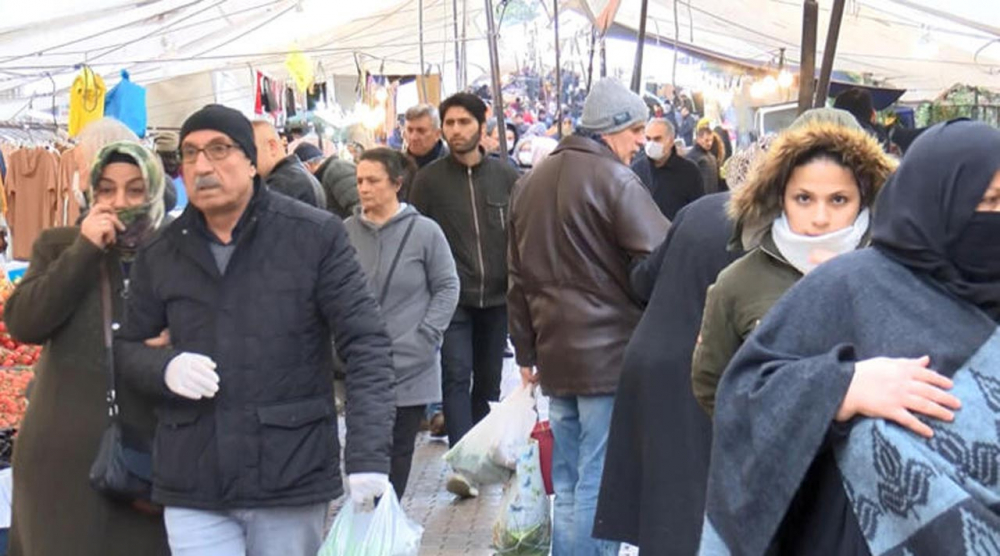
466	193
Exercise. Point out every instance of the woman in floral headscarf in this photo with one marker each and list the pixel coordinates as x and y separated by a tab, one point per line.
58	305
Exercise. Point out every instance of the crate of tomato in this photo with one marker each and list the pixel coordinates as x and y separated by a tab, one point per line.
17	361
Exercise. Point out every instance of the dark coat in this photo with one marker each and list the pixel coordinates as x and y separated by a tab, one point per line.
774	420
579	222
55	510
269	436
290	177
673	185
340	185
656	468
708	166
470	205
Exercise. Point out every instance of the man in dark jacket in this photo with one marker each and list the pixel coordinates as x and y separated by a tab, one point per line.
579	222
423	135
284	173
701	155
466	193
673	180
251	285
337	177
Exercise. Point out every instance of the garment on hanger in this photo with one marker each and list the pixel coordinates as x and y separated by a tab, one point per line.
267	101
68	183
86	100
258	107
32	196
289	102
126	102
316	95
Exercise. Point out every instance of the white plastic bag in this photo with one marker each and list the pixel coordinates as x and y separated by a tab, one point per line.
383	532
524	526
486	454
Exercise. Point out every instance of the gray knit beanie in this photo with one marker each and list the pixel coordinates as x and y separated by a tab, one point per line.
610	107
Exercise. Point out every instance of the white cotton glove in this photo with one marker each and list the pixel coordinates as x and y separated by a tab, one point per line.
192	375
365	487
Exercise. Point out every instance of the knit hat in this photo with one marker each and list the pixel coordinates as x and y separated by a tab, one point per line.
308	152
610	107
224	120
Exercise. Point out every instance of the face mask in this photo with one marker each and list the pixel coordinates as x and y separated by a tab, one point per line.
976	253
654	150
138	229
799	249
524	157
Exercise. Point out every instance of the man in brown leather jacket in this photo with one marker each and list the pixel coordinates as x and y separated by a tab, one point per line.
578	223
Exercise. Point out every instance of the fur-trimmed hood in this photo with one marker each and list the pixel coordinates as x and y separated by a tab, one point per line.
754	206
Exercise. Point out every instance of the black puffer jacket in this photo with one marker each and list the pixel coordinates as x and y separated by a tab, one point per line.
290	177
269	437
470	205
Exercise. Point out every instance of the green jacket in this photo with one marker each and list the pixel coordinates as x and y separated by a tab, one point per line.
743	293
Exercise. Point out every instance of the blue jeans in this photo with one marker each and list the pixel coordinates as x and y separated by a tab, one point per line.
283	531
580	429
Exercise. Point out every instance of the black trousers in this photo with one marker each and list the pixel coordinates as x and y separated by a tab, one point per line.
471	366
404	436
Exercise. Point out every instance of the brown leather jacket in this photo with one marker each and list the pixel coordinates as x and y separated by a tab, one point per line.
578	222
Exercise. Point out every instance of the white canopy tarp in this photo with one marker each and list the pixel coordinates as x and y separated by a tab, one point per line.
905	43
924	46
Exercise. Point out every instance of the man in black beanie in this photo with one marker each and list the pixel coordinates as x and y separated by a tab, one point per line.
251	285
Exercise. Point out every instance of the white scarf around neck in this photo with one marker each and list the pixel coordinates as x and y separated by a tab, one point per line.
797	248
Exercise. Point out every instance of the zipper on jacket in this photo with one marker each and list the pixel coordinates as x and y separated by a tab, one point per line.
479	241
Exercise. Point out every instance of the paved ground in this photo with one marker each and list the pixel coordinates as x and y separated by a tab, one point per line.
453	527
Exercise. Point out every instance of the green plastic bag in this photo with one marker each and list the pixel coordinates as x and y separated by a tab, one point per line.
524	526
386	531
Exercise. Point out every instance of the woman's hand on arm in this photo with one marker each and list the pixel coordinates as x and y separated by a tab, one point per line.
898	389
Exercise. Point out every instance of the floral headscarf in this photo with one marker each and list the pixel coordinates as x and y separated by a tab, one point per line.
141	221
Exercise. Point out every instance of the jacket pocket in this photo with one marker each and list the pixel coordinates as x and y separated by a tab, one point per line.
177	449
297	442
497	213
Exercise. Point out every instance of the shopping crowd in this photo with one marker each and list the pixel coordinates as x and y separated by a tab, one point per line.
791	349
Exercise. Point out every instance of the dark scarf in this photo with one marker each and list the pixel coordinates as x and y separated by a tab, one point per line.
923	215
430	156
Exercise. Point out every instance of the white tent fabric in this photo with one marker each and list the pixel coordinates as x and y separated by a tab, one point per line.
904	43
924	46
161	39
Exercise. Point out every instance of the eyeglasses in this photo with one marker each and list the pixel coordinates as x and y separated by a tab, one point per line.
214	152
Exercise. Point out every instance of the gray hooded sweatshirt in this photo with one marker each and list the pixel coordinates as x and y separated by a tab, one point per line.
421	298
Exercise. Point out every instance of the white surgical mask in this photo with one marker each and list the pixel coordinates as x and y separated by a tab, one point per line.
654	150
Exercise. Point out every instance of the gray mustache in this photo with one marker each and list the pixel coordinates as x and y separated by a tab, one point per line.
205	182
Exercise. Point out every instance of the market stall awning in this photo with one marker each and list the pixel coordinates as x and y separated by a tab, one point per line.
922	46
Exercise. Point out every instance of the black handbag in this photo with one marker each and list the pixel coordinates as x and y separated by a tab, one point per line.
123	468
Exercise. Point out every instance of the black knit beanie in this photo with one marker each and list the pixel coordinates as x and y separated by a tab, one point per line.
224	120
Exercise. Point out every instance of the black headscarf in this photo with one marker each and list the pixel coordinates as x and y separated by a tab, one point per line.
926	206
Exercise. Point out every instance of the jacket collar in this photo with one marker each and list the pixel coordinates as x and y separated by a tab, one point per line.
482	159
580	143
192	235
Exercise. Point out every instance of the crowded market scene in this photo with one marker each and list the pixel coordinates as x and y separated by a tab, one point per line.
500	277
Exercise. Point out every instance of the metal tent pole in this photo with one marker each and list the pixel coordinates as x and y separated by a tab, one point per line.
559	110
807	62
420	26
641	38
491	40
829	53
